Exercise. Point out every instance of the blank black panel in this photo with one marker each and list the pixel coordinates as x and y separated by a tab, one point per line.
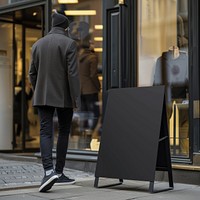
131	131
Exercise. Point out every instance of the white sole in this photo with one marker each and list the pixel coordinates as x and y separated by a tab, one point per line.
55	177
70	183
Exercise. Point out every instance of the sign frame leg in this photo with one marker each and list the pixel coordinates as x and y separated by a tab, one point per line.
96	182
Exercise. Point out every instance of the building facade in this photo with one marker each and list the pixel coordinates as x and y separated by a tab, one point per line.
139	43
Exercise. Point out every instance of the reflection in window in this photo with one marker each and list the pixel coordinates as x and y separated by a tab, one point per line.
163	60
86	30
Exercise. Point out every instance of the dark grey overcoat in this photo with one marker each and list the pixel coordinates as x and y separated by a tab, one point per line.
53	71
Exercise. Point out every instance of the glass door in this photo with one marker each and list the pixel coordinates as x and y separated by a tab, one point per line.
20	27
26	126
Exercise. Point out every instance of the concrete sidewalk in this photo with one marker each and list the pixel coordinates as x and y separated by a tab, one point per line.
21	174
84	190
20	180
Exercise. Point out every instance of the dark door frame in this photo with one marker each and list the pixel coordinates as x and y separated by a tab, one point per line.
194	67
127	44
126	60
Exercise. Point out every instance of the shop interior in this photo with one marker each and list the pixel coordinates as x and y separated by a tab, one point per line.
163	60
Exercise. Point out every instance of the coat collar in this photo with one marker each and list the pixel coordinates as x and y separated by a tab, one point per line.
58	30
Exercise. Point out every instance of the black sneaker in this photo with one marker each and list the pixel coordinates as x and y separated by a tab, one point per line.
48	181
64	180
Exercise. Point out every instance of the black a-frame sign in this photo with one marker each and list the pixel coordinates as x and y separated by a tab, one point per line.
135	139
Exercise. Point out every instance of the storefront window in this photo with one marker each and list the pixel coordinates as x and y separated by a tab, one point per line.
163	60
85	28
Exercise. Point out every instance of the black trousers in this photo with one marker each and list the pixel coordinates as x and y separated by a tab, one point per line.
46	114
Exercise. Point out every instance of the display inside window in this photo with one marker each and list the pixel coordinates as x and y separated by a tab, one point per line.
163	60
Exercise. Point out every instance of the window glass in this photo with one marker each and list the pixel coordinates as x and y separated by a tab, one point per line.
163	60
85	28
25	118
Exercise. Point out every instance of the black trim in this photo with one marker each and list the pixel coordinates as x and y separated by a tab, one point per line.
30	150
112	70
194	89
80	152
47	16
191	12
13	90
122	44
133	41
76	155
181	160
23	88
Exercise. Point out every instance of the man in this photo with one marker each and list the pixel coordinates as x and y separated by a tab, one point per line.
55	80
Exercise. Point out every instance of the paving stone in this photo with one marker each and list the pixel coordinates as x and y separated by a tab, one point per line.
23	174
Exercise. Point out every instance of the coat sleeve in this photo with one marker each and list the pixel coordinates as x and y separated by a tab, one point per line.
33	71
73	75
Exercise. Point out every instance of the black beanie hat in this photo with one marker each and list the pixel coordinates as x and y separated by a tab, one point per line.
60	20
